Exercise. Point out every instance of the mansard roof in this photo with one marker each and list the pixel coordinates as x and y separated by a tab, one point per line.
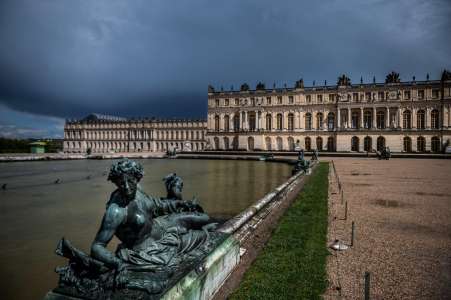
100	117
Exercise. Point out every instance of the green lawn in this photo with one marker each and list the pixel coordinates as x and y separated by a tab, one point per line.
293	264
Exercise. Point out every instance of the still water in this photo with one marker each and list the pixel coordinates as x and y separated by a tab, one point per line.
35	212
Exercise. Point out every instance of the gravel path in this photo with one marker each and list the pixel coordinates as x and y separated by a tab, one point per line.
402	214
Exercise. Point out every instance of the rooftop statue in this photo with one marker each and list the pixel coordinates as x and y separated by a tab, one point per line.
161	240
393	77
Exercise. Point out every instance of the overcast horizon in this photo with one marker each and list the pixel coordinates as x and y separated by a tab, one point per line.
66	59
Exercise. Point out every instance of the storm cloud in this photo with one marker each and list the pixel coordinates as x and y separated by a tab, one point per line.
68	58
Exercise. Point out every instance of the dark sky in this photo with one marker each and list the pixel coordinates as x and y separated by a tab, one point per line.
66	58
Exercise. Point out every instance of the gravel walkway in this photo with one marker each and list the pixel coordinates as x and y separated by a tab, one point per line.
402	214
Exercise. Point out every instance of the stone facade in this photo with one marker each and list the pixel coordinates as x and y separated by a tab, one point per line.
411	116
107	134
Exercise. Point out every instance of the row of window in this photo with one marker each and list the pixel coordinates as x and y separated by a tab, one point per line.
143	135
322	98
127	126
232	144
355	121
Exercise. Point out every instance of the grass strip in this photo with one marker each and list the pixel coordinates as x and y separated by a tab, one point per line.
293	263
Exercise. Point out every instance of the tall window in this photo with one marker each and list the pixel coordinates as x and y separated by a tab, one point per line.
407	142
407	119
319	143
331	121
279	121
421	144
330	144
435	120
279	100
216	123
290	143
355	119
354	143
226	102
367	144
308	121
308	144
290	99
252	121
435	144
320	98
367	119
290	121
406	95
226	123
236	123
380	143
380	119
319	120
268	122
421	120
268	100
309	98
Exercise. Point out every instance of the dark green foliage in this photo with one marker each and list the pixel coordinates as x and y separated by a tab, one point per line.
14	146
293	264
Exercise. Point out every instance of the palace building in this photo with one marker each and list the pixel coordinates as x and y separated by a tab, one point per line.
105	134
406	116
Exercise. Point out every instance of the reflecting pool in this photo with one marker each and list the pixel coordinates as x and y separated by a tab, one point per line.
45	201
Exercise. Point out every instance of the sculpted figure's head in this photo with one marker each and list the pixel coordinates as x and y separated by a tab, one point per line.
126	174
174	186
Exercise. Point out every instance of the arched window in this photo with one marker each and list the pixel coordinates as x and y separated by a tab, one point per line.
435	120
279	143
216	123
407	142
380	119
331	121
421	119
226	143
308	144
236	122
380	143
290	121
319	143
268	122
250	143
279	121
354	143
268	143
421	144
290	143
216	143
308	121
435	144
407	119
367	144
330	144
319	120
235	143
226	124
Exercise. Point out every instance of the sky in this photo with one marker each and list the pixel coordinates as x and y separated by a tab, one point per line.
64	59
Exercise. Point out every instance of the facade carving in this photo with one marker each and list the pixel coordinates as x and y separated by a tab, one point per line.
409	116
106	134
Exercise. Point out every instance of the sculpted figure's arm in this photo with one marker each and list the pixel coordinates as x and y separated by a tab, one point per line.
113	217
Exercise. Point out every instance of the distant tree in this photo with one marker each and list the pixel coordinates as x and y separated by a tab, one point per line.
14	146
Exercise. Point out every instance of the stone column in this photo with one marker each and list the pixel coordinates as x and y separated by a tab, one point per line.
428	118
399	116
338	119
301	120
414	118
361	118
349	118
387	119
374	118
274	121
296	120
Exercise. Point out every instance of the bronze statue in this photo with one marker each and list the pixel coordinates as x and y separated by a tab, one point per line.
161	240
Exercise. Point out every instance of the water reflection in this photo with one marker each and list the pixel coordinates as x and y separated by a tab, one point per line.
35	212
